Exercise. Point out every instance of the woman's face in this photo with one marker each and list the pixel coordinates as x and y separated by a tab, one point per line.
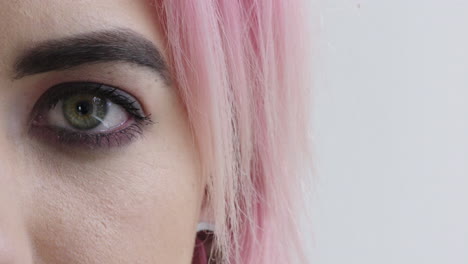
89	173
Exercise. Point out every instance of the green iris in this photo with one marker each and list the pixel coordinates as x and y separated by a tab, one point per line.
84	111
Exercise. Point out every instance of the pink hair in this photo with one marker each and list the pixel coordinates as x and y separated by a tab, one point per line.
240	67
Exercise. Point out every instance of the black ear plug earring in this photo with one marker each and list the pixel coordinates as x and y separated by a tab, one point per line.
203	244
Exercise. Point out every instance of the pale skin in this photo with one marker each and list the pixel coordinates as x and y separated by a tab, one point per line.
138	202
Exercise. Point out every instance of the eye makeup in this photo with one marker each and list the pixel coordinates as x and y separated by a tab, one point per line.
87	115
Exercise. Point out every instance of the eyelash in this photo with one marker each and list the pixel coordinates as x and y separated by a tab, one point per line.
67	137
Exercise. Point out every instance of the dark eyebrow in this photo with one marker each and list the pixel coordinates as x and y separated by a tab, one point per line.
101	46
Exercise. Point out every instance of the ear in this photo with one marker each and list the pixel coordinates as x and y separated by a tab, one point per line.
205	234
206	218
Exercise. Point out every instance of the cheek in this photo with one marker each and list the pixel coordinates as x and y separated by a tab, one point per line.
141	205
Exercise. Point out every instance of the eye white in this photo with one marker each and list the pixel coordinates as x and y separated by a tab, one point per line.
115	117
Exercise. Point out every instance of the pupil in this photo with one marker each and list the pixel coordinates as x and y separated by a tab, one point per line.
84	108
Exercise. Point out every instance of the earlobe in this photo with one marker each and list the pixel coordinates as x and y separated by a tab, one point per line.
203	251
206	216
205	235
205	226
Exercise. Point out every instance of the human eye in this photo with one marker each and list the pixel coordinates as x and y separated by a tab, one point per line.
86	114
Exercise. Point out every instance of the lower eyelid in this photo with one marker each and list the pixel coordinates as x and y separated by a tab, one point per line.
57	136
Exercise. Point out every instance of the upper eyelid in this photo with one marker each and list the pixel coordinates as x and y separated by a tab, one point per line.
116	94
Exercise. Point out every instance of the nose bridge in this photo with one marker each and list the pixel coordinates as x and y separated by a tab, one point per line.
14	243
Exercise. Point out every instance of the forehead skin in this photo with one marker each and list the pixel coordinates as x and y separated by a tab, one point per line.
138	204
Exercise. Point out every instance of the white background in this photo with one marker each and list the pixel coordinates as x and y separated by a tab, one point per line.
391	131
